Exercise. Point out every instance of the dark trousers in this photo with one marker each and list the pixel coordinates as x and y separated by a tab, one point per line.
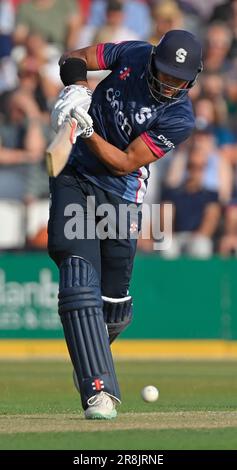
113	256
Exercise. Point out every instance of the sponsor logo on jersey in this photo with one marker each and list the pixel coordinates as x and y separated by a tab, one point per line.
125	73
117	105
166	142
143	114
140	116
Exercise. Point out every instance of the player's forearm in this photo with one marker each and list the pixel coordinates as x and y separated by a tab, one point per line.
114	159
87	54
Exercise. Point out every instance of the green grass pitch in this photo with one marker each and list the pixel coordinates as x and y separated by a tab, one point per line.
197	408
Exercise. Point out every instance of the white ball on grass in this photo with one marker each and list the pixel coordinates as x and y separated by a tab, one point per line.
150	393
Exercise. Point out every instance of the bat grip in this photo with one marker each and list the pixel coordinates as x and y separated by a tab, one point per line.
73	124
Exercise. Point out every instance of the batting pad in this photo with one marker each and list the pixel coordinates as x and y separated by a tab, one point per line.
80	309
117	315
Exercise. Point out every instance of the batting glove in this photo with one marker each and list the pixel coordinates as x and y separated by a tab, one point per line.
84	122
70	97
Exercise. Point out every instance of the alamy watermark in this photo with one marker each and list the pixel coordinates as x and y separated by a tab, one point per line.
120	222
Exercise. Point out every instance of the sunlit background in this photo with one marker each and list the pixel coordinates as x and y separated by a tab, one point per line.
188	292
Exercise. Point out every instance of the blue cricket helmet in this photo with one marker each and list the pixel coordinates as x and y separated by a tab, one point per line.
178	54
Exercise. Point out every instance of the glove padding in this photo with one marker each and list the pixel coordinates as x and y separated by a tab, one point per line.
84	122
70	97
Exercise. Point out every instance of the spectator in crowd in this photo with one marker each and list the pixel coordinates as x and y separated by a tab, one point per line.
222	11
192	15
228	240
166	15
222	91
8	75
213	88
196	212
137	16
7	21
29	85
232	23
113	29
231	98
38	73
227	13
203	8
56	20
50	85
217	47
215	114
22	144
84	7
217	173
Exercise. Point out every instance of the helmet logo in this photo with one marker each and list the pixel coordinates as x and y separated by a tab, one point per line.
181	55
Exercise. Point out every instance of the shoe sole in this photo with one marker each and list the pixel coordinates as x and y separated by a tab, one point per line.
98	415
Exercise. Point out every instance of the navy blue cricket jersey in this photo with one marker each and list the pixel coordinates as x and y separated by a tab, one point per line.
122	109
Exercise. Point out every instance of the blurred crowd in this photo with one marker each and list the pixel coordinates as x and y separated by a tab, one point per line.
199	178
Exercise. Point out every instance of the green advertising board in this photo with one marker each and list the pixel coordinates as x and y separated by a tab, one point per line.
181	299
28	297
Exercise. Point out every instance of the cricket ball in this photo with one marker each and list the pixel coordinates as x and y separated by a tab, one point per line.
150	393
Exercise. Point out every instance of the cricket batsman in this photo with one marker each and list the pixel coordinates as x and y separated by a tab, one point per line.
136	114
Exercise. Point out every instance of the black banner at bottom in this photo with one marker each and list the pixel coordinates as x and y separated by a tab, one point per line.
105	459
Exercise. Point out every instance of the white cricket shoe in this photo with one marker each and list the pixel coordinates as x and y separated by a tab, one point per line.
101	406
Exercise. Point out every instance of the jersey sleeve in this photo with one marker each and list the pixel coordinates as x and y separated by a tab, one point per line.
161	140
109	54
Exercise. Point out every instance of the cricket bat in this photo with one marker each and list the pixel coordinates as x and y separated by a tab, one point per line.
59	150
